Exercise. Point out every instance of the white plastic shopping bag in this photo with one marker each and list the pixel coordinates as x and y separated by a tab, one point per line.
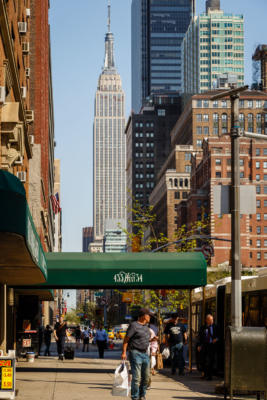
166	353
121	384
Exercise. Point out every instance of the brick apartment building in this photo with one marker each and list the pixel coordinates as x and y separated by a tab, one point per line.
26	149
41	174
148	146
204	123
215	169
16	148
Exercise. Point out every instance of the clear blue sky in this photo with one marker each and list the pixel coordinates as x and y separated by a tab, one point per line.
77	39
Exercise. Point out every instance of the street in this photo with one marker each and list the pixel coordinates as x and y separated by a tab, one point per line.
89	377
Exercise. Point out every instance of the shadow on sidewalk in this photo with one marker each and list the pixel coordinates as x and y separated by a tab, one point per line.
194	383
66	370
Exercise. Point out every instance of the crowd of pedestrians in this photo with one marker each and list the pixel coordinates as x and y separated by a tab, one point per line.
143	347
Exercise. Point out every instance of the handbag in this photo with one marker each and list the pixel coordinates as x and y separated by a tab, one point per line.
159	361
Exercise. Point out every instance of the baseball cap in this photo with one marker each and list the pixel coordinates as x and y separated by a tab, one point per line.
145	311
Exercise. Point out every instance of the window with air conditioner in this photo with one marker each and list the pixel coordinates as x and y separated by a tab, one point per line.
22	27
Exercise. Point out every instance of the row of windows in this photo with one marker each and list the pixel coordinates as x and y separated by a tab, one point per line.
177	195
258	255
242	104
258	229
147	124
141	165
147	134
148	155
141	176
149	185
141	144
182	182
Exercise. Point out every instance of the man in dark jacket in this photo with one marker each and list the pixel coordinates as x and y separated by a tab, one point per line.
207	346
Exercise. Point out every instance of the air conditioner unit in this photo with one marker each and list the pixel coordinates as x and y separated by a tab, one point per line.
23	92
22	26
22	175
28	72
2	94
19	161
31	139
25	47
29	116
28	12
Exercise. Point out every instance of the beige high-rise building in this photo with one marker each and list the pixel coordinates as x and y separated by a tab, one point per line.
109	144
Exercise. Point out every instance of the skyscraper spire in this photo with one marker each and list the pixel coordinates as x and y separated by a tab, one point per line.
108	15
109	41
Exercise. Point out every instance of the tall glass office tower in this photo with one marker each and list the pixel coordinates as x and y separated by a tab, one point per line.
158	29
213	45
109	144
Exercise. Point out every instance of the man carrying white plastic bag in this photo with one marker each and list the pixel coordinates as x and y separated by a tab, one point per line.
121	385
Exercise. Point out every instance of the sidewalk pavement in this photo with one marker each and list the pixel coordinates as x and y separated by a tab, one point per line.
87	377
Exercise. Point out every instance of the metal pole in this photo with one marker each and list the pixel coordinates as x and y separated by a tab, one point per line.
235	214
190	331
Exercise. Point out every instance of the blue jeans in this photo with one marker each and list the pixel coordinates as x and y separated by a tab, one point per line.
177	358
140	367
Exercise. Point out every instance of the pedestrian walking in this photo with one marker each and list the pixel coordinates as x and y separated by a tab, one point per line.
137	340
78	336
86	337
207	347
175	336
47	339
60	329
101	338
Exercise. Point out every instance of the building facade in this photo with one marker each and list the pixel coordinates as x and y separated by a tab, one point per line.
148	146
205	125
172	188
26	151
109	145
88	237
115	238
213	45
158	28
215	169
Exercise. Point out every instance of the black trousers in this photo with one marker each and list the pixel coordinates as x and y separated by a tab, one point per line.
208	358
47	348
101	344
61	345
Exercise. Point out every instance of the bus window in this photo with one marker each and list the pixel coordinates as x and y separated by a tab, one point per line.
254	311
264	311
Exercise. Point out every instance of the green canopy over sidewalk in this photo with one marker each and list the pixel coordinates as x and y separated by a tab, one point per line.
124	270
22	259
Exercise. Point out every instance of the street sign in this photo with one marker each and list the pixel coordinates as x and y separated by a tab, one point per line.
207	250
7	376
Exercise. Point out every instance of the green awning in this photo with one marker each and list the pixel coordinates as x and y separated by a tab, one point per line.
22	259
125	270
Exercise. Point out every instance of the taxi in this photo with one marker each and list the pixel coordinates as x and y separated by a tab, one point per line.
111	334
122	334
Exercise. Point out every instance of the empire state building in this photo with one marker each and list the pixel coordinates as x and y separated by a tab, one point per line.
109	144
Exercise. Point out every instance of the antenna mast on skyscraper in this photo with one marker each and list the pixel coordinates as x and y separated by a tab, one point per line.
108	15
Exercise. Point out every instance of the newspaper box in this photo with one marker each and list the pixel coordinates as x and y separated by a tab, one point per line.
7	375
